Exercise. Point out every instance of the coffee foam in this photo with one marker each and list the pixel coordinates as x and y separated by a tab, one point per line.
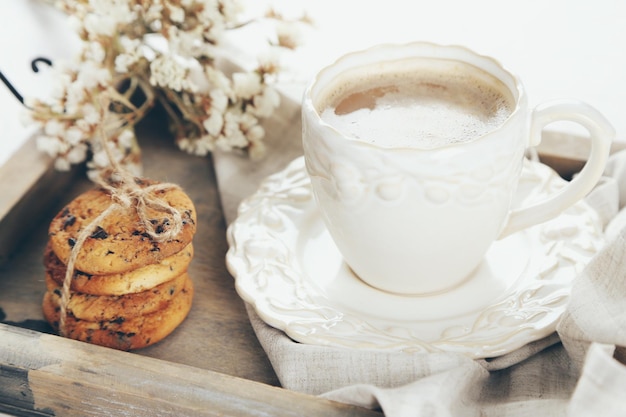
419	103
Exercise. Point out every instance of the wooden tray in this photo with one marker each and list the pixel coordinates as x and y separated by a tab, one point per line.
211	365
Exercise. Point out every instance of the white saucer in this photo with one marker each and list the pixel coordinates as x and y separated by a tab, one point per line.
286	265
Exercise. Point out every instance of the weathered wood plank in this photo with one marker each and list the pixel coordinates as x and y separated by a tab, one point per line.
57	376
28	185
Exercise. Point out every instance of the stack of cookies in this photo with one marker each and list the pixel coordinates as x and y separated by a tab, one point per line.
128	290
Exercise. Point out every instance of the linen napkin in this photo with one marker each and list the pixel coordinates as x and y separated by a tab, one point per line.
577	377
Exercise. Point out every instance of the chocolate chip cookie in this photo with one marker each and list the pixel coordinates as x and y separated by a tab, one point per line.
119	242
124	333
133	281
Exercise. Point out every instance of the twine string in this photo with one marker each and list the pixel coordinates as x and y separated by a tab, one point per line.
126	192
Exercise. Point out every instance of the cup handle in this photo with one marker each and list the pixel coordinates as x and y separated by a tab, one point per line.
601	134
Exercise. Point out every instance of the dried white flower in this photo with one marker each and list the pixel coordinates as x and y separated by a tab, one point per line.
218	82
120	11
265	103
289	36
246	121
77	154
167	72
214	123
62	164
154	11
100	159
255	133
219	100
63	79
49	144
187	44
230	9
212	19
177	14
94	51
269	60
257	149
201	146
126	138
197	77
53	127
73	136
98	25
130	56
247	84
92	75
153	50
75	95
91	116
75	23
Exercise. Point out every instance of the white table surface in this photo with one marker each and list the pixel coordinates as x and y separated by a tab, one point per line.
560	48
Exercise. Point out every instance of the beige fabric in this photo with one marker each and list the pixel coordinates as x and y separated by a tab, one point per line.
600	390
539	379
597	308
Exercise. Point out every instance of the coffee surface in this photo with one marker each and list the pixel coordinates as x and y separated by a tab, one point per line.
425	103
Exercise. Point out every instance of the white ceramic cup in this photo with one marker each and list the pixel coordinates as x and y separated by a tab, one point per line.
419	221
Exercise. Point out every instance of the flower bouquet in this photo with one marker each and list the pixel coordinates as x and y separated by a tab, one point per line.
136	53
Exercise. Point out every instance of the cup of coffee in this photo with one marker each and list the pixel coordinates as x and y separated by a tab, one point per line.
414	153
